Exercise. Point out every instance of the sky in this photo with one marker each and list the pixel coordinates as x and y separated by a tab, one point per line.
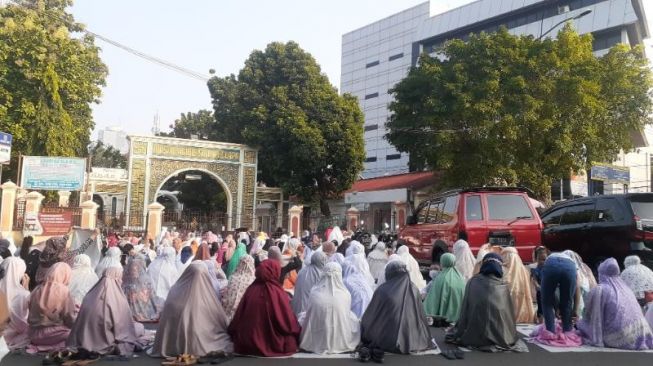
214	34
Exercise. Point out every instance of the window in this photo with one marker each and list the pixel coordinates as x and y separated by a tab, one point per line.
578	214
507	207
370	96
371	127
421	214
449	210
642	207
395	57
434	212
553	218
393	157
473	209
608	210
371	159
371	64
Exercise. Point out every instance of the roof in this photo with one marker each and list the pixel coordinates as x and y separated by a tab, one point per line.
414	180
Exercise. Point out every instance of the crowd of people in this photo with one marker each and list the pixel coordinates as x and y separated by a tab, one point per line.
270	296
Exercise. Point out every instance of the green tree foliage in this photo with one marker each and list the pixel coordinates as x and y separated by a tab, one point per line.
50	73
310	138
188	124
506	109
104	156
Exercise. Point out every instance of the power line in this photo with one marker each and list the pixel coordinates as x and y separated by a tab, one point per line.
156	60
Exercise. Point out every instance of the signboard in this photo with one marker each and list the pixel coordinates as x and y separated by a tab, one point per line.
56	222
31	225
53	173
5	147
611	174
109	174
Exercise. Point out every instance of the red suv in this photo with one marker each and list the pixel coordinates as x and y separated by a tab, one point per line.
475	213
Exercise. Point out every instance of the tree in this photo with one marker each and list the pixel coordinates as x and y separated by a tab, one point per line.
104	156
515	110
310	138
50	73
199	124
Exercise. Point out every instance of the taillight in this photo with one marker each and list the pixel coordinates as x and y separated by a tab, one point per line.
638	223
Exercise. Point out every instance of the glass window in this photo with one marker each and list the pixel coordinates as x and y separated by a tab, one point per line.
372	64
394	57
449	210
579	214
393	157
371	127
435	209
507	207
421	214
473	209
370	159
608	210
370	96
642	207
553	218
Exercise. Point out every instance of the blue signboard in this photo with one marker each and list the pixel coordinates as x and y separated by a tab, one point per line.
5	147
611	174
53	173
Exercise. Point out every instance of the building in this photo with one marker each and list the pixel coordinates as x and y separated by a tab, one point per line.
116	137
378	55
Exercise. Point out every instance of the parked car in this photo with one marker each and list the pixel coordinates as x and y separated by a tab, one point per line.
600	227
474	214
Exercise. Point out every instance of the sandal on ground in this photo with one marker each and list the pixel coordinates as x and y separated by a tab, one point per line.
181	360
449	354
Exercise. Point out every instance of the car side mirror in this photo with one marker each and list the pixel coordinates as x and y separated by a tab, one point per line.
412	220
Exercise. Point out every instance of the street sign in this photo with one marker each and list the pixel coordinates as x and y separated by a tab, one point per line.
5	147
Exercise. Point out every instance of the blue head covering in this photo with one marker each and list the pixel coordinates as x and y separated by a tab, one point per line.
492	265
186	253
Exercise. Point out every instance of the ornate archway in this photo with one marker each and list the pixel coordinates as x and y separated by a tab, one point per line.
152	160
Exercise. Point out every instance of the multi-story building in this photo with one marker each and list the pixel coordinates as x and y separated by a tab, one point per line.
377	56
116	137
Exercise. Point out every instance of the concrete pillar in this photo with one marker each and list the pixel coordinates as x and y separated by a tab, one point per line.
295	219
400	210
154	219
89	214
64	198
8	208
33	203
353	218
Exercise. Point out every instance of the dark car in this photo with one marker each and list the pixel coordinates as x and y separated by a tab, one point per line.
479	215
600	227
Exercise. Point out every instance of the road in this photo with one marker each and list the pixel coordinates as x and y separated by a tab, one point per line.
536	357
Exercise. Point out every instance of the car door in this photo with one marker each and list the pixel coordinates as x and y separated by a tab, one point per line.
473	221
575	226
610	232
551	237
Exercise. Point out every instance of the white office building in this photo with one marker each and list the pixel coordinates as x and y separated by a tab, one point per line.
116	137
377	56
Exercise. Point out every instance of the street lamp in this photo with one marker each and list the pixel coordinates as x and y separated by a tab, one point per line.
582	14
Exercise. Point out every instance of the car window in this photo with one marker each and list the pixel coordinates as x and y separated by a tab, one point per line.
449	210
578	214
608	210
507	207
421	214
435	213
473	210
642	207
553	218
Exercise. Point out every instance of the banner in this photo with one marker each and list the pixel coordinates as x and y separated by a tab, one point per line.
53	173
94	251
56	223
5	147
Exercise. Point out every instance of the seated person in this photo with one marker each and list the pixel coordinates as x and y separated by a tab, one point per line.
264	324
487	302
518	278
105	324
394	320
51	311
192	321
445	294
329	325
612	316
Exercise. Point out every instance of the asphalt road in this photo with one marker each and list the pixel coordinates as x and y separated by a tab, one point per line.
537	356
